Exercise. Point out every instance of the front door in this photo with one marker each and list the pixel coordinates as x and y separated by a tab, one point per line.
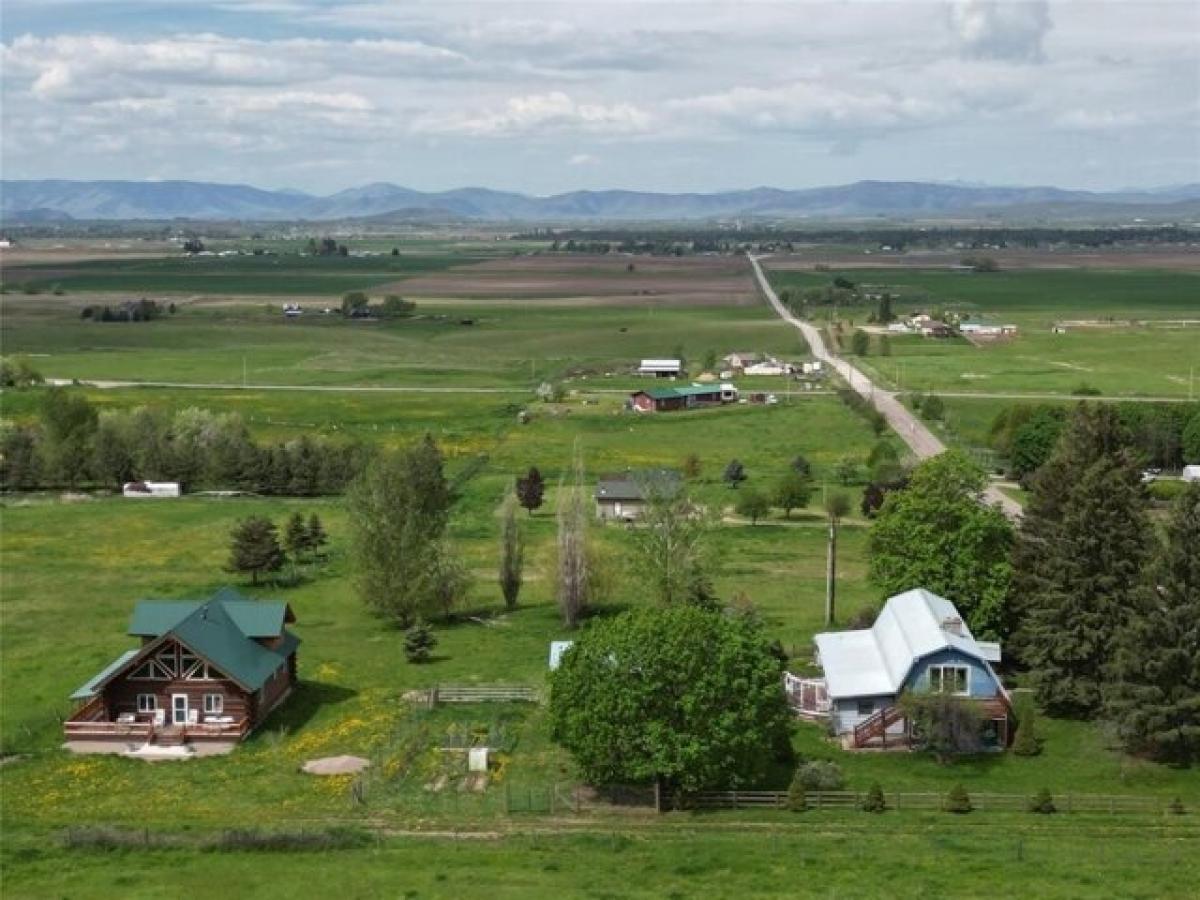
179	709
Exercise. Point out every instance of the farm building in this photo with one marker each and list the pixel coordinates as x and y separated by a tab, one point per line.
206	671
623	497
919	643
661	368
981	329
667	399
151	489
769	366
1190	473
737	362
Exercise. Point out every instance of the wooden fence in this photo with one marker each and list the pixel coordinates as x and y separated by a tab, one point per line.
483	693
981	802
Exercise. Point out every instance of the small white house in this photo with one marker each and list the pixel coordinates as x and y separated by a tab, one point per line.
152	489
770	366
1190	473
661	368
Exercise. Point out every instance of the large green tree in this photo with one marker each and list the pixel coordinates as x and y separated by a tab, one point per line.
398	511
687	697
69	425
938	533
254	548
1153	695
1078	561
674	551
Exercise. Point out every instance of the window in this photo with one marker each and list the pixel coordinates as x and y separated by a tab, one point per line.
147	703
950	680
866	707
214	704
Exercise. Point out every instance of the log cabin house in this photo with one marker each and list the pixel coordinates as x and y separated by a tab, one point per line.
206	671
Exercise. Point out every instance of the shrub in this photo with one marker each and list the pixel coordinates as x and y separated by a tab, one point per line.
933	408
797	795
863	619
1176	807
958	800
1042	802
820	775
1025	742
875	801
1083	389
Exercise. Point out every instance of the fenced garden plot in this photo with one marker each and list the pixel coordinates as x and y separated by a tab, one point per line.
483	693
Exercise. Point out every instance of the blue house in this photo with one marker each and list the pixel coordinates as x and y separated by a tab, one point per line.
918	643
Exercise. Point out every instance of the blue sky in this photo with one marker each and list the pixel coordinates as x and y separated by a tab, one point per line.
547	97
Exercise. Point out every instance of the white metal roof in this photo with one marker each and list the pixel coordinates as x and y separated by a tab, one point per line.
877	660
662	364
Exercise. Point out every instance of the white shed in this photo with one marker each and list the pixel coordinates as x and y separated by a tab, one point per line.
1190	473
152	489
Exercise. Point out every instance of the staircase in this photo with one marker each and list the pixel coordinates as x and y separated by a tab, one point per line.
877	725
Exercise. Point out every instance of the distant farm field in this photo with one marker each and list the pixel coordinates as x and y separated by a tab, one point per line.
1124	333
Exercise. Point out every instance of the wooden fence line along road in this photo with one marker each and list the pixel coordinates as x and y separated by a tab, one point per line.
926	801
908	427
483	693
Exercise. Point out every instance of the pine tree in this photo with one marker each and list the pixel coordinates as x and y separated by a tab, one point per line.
958	800
1077	561
254	548
530	489
419	641
317	537
1025	741
1042	802
797	795
1154	693
295	536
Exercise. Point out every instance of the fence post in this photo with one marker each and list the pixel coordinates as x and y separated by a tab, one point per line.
735	800
1069	809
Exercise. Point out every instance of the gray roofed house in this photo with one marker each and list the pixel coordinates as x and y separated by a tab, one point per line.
623	497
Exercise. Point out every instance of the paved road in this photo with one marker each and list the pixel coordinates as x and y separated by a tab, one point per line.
923	442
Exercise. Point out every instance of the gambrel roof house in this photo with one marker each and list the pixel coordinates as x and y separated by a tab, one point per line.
919	642
209	669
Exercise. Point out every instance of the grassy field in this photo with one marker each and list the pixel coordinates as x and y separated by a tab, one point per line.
1133	346
839	859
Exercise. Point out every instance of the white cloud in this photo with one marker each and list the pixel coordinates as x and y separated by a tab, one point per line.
582	159
538	113
1001	29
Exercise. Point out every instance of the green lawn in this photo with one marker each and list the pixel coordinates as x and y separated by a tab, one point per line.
1151	357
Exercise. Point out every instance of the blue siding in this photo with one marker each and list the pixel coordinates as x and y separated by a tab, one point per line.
982	684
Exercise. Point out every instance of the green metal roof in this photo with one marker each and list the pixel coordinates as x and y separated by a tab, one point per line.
254	618
88	690
672	393
221	629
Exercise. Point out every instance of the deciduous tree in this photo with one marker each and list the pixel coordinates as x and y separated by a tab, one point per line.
646	696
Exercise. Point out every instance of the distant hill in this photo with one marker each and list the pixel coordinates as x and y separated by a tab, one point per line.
122	200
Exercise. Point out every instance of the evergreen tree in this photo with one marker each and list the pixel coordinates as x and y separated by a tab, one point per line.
1042	802
316	538
797	795
254	548
1025	741
1078	560
419	641
875	801
1154	693
735	473
531	489
295	536
958	800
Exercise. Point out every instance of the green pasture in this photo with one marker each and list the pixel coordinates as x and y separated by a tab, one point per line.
843	857
282	274
502	346
1133	348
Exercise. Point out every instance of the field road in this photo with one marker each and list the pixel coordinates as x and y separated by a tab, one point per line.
923	442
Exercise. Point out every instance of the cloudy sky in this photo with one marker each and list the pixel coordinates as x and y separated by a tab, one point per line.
545	97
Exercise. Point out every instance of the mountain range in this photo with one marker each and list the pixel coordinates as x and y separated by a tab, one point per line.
60	200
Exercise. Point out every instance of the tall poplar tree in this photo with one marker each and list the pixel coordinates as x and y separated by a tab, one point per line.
1078	560
1154	693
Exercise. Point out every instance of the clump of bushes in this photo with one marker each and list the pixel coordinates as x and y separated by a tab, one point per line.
289	841
958	800
820	775
875	801
1042	802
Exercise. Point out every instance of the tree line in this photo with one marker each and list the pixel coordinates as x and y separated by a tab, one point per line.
1097	607
73	444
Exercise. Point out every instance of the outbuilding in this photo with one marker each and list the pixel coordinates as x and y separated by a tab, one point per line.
661	368
152	489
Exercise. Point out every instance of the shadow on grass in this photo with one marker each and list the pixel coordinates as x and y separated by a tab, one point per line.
307	698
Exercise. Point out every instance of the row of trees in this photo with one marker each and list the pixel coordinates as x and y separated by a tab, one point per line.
357	305
1165	435
73	444
255	548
